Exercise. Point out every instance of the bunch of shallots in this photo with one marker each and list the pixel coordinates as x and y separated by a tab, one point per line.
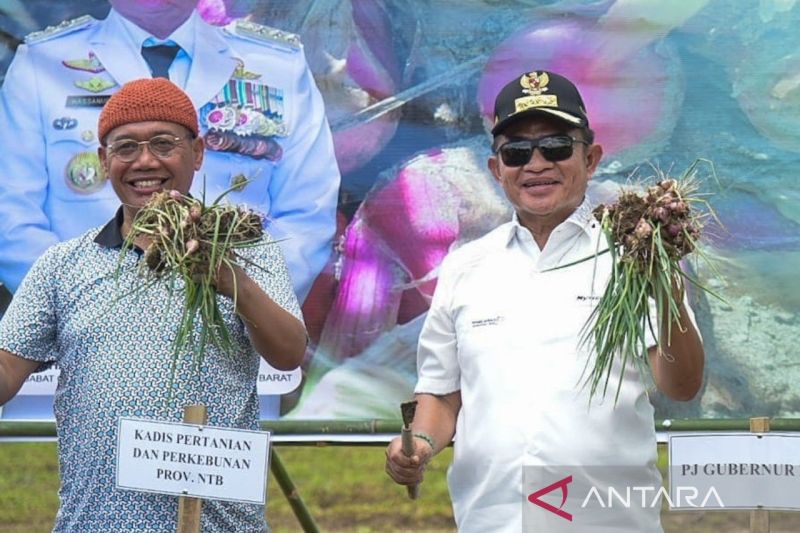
648	234
643	224
192	242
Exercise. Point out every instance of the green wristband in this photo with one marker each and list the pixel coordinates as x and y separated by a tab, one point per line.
427	438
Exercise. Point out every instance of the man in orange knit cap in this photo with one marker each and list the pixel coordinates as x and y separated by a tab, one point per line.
259	111
116	356
258	108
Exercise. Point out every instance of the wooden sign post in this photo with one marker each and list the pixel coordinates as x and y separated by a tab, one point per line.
192	461
759	518
189	508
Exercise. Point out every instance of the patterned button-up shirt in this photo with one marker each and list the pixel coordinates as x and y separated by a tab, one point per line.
85	307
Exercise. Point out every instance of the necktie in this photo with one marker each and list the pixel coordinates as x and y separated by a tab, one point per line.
159	58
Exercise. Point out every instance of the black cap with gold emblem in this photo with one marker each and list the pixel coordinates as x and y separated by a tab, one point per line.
539	91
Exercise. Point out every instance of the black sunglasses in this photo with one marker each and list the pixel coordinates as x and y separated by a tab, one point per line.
553	148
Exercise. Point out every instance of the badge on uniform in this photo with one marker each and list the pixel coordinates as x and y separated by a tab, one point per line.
82	100
95	84
64	123
92	64
244	118
241	73
84	173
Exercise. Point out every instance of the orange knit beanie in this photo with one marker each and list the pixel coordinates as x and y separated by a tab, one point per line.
145	100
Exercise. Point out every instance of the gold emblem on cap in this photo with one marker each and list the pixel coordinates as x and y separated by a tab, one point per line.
536	100
534	83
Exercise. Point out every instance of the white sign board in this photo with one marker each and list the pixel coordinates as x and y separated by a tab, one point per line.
41	383
270	381
274	381
738	470
191	460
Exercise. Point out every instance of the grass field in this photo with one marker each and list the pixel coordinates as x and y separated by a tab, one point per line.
345	489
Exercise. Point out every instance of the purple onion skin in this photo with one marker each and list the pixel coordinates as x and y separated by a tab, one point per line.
374	25
373	67
362	68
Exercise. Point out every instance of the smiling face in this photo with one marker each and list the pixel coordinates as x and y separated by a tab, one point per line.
545	193
135	182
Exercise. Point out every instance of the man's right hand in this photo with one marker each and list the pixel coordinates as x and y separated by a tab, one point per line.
407	470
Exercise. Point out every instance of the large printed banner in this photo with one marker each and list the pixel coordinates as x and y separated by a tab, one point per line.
409	86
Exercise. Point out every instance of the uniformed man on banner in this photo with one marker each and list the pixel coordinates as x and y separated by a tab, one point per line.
261	115
260	112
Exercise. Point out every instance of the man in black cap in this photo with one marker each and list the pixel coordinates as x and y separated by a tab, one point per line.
500	361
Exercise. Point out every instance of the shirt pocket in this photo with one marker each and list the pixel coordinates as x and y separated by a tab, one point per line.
73	166
490	344
568	321
482	329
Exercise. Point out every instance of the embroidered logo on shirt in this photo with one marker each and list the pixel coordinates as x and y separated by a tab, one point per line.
493	321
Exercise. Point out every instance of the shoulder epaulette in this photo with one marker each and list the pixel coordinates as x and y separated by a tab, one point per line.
267	34
67	26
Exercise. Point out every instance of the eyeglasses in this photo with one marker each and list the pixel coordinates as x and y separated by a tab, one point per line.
128	150
553	148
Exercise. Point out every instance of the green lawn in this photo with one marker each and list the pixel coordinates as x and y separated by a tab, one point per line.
28	486
345	489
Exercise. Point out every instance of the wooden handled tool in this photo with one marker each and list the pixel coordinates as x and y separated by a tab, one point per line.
408	409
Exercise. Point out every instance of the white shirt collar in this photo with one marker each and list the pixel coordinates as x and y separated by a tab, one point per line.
581	219
183	35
